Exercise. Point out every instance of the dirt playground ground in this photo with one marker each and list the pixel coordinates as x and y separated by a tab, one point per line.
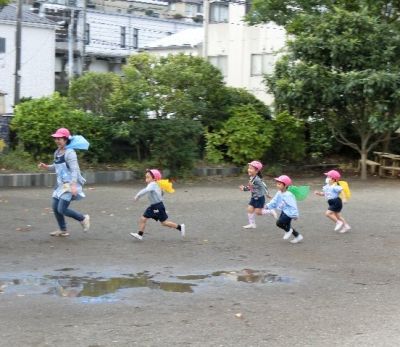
219	286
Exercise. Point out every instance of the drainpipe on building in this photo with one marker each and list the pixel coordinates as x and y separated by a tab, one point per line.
18	36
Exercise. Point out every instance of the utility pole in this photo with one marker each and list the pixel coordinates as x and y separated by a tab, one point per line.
70	46
83	51
18	36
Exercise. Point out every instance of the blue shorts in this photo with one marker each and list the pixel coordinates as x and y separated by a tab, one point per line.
257	202
156	212
335	205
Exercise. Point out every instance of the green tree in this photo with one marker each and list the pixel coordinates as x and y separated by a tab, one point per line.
342	67
288	143
241	97
91	92
243	137
174	143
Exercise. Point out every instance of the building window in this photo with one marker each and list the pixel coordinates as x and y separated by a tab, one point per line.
135	38
219	12
87	34
2	45
262	64
220	62
123	37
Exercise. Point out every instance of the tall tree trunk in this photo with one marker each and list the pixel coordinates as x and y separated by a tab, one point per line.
386	142
364	164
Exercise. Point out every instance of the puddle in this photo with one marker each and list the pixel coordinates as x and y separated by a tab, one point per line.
245	275
94	288
254	276
85	286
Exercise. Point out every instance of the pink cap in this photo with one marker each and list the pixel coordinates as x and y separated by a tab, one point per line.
286	180
62	132
256	164
155	173
335	175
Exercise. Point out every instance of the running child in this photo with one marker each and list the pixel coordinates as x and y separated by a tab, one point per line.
285	201
156	210
331	190
258	191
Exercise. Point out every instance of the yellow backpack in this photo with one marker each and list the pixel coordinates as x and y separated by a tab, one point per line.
345	195
166	186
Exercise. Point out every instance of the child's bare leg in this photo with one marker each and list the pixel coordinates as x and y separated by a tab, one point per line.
258	211
142	223
331	215
250	209
172	225
169	224
340	217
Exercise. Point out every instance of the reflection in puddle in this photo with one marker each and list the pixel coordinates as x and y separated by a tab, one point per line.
253	276
101	289
245	275
75	286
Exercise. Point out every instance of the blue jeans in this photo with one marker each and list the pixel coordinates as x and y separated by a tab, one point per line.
60	209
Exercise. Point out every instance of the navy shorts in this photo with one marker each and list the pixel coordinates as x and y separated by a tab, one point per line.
335	205
257	202
156	212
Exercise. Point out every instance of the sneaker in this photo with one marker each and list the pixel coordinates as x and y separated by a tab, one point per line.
338	225
287	234
139	237
59	233
345	229
183	231
86	223
249	226
297	239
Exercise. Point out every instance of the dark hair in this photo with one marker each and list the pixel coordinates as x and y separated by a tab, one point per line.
151	174
67	139
259	174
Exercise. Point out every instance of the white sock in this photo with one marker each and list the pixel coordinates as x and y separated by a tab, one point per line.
252	218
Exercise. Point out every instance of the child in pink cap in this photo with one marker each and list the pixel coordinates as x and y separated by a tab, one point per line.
156	210
258	190
331	190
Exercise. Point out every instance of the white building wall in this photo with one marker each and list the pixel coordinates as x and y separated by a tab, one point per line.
238	41
164	52
105	32
37	62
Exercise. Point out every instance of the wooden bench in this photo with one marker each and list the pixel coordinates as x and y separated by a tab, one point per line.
373	165
391	171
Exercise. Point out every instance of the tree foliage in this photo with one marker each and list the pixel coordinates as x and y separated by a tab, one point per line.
36	120
244	136
91	92
342	67
288	143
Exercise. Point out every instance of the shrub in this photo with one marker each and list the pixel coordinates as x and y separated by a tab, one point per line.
174	144
18	160
37	119
245	136
289	139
